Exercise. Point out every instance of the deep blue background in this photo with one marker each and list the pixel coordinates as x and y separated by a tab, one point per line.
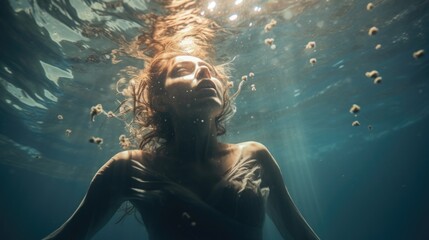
349	182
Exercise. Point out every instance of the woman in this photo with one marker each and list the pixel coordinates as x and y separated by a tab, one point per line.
188	185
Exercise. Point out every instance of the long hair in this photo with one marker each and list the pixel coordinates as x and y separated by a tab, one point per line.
182	31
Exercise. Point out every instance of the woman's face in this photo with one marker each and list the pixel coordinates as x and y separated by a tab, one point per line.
192	87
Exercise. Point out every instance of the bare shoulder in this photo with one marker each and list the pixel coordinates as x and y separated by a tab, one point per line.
256	150
125	158
252	145
121	164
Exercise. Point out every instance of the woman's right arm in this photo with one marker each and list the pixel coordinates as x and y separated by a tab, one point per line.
99	204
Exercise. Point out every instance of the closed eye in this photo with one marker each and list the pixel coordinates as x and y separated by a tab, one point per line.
181	72
183	69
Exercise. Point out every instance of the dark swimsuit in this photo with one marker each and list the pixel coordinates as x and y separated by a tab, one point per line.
238	195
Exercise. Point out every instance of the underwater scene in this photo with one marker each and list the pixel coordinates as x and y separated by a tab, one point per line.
337	90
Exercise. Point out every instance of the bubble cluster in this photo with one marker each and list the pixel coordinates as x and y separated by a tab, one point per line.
253	87
378	80
96	110
124	142
270	25
355	109
372	31
96	140
270	42
310	45
372	74
418	54
68	132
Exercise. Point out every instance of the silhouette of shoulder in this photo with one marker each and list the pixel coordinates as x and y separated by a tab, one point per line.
259	152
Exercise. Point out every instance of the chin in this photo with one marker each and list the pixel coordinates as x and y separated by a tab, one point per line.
208	108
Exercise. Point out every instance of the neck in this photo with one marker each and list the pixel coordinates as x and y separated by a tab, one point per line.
195	139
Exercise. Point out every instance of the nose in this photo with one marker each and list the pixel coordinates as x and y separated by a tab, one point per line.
203	73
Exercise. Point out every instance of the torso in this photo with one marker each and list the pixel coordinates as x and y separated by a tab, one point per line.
199	178
229	183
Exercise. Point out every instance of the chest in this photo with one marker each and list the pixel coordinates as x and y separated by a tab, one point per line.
201	180
235	192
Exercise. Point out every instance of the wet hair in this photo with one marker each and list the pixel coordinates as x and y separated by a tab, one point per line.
151	128
181	31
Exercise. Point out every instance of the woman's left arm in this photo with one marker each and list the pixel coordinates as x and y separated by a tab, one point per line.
280	207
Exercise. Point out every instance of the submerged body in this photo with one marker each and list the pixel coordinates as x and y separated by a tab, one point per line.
205	202
194	187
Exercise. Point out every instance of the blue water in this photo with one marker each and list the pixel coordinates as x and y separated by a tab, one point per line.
349	182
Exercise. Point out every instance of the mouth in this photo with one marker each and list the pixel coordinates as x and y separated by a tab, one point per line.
206	84
206	88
